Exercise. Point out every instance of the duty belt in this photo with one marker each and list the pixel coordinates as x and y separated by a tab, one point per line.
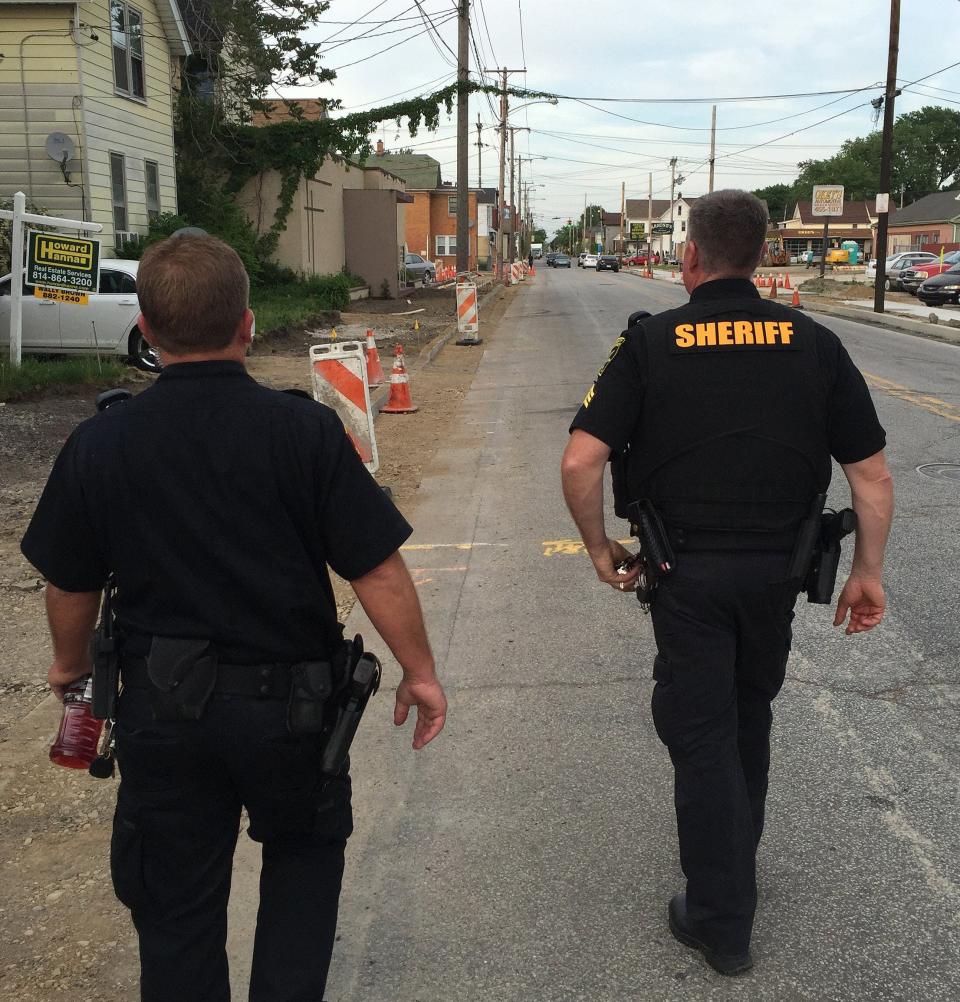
733	539
265	681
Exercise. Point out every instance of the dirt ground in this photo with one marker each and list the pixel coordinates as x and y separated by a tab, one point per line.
830	288
65	935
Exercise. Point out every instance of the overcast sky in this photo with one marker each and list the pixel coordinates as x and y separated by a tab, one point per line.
674	49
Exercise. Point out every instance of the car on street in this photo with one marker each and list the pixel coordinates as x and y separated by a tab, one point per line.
635	261
107	325
418	269
941	289
608	262
560	261
589	261
897	263
580	258
912	278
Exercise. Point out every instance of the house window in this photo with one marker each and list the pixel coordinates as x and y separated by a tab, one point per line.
446	244
118	191
683	226
126	25
451	205
152	180
679	210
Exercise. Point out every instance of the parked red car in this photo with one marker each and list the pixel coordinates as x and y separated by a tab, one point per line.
917	274
635	261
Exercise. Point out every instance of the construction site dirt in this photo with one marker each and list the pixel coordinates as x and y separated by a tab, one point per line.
66	935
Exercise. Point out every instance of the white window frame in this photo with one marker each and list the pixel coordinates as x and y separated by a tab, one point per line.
124	40
451	205
446	244
154	210
121	205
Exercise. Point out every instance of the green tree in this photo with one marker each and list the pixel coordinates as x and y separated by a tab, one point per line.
539	236
926	150
780	199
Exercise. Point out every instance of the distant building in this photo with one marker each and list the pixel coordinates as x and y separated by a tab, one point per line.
803	231
929	223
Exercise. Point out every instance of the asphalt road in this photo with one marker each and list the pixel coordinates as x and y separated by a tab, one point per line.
528	855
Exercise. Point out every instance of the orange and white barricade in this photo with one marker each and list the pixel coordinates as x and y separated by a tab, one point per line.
340	382
468	313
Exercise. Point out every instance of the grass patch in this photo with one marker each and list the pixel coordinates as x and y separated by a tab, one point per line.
295	304
40	374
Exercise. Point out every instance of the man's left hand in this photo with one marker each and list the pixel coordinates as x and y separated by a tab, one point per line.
605	561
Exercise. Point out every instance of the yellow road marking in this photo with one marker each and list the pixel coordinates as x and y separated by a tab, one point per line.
446	546
570	547
922	400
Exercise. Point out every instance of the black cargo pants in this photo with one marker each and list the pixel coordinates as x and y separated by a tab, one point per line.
722	627
175	829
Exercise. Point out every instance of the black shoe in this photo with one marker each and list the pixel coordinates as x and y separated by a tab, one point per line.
683	930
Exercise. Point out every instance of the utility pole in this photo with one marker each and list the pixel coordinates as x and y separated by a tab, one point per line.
463	140
513	208
713	145
673	183
517	213
479	152
503	73
622	210
886	150
649	218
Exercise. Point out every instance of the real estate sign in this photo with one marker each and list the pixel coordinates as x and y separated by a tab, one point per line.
827	200
68	264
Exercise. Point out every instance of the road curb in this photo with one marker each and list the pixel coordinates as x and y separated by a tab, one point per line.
430	351
918	328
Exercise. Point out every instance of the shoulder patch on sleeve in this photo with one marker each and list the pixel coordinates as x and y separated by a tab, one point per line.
617	345
590	393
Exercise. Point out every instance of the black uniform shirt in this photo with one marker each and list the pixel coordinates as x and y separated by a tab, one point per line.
614	403
218	504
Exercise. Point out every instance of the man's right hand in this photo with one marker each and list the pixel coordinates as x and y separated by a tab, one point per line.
431	703
864	599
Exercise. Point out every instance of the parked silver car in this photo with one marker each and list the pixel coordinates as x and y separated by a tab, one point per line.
418	269
897	263
107	325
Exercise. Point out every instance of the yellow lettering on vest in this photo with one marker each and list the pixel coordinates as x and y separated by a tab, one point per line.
772	329
706	335
684	335
786	331
725	332
758	332
742	332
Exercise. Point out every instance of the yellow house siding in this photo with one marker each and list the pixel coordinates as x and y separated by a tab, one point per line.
40	35
70	88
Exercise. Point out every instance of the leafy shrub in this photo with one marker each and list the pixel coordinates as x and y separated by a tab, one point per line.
329	292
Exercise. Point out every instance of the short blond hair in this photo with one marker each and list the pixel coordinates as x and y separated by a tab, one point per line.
193	291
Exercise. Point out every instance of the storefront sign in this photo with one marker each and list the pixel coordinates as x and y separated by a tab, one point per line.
827	200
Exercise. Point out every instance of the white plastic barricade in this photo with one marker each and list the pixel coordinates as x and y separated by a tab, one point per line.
340	381
468	317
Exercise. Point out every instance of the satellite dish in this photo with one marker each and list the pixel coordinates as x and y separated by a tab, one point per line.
60	147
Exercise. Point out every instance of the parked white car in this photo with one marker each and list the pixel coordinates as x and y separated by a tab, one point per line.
106	325
896	263
589	260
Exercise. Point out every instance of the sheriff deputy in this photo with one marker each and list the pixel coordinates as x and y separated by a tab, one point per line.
729	409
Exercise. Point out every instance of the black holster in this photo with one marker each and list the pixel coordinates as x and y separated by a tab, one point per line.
822	578
105	651
183	672
314	687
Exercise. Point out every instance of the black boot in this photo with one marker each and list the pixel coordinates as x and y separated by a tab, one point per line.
684	931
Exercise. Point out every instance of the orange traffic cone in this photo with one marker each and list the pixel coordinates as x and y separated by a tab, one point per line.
786	281
773	289
673	276
375	374
796	298
400	401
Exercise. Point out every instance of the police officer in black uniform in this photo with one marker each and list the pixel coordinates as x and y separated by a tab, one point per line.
729	409
217	505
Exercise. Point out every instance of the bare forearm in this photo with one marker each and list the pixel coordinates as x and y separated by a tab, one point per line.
873	504
583	492
389	598
72	617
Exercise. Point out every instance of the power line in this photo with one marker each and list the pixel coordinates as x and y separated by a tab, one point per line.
350	24
373	55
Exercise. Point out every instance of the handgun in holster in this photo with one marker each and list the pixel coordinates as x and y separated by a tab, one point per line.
106	659
822	577
656	554
363	680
